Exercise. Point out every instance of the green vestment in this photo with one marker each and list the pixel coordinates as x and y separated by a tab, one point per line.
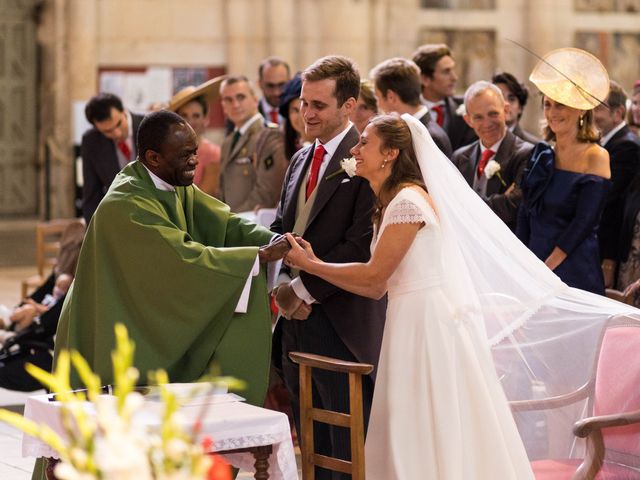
171	267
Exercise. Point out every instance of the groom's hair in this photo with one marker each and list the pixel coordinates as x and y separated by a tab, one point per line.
338	68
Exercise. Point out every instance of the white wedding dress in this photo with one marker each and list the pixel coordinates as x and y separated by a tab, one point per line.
439	412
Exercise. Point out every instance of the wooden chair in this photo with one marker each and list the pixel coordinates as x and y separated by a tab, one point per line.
308	414
619	296
48	236
613	431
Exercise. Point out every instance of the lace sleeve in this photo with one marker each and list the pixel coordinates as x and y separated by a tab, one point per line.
404	211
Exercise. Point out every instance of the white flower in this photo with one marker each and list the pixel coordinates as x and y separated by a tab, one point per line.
349	166
491	169
461	110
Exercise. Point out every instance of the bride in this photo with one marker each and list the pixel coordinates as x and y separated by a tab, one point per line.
439	411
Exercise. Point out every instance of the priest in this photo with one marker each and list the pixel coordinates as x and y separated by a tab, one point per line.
174	266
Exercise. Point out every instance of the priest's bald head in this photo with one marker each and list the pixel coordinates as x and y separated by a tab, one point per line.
167	146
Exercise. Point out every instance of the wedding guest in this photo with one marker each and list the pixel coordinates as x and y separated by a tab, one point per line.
192	104
634	112
397	86
295	136
253	160
106	148
628	279
516	95
493	164
624	152
367	106
273	75
565	185
439	79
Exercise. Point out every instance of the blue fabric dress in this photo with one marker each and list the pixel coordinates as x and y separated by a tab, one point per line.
563	208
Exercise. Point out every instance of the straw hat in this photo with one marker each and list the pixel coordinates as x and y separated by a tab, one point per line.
572	77
210	89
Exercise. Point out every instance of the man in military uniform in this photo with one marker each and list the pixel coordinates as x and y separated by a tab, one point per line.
253	158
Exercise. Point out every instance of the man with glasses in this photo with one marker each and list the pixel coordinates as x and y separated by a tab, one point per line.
106	148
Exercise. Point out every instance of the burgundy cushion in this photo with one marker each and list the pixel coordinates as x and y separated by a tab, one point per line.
564	469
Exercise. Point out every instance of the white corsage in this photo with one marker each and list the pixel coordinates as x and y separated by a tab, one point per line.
493	168
347	165
461	110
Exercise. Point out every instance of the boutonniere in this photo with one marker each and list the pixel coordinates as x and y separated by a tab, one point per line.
347	165
461	110
493	168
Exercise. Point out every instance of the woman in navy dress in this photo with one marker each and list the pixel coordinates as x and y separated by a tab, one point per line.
564	188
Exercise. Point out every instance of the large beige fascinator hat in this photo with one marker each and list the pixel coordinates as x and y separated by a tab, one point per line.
210	89
572	77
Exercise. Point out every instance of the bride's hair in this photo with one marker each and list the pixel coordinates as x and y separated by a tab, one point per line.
395	133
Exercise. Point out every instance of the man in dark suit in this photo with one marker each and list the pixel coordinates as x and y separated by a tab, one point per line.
485	113
105	148
397	87
516	95
437	72
624	155
273	75
333	212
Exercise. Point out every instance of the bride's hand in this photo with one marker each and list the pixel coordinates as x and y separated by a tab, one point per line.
300	254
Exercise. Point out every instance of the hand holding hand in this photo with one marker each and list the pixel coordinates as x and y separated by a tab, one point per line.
274	251
301	253
632	288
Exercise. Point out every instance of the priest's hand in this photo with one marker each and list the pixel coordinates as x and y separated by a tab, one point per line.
276	250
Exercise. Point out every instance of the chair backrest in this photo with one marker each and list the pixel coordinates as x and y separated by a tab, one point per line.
619	296
48	235
353	420
617	384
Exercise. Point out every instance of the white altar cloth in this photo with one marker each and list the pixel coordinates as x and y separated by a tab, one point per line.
230	423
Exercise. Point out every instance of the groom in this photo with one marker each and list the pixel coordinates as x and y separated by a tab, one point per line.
332	212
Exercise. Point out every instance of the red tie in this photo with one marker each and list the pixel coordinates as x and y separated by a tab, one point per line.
274	116
439	109
318	155
124	149
486	155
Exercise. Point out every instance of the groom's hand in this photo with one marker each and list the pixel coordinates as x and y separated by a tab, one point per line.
287	301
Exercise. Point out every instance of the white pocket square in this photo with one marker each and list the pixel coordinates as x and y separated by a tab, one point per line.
345	180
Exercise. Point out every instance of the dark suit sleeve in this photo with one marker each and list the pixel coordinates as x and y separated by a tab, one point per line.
625	161
277	226
505	205
355	246
91	188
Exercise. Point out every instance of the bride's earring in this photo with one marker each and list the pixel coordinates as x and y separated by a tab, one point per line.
384	163
581	122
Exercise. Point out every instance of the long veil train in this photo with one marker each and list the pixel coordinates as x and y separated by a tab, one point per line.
543	334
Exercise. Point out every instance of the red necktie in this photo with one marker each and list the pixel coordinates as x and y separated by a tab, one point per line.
274	116
486	155
124	149
318	155
439	109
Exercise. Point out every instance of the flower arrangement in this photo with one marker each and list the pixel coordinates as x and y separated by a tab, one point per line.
110	445
493	168
347	165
